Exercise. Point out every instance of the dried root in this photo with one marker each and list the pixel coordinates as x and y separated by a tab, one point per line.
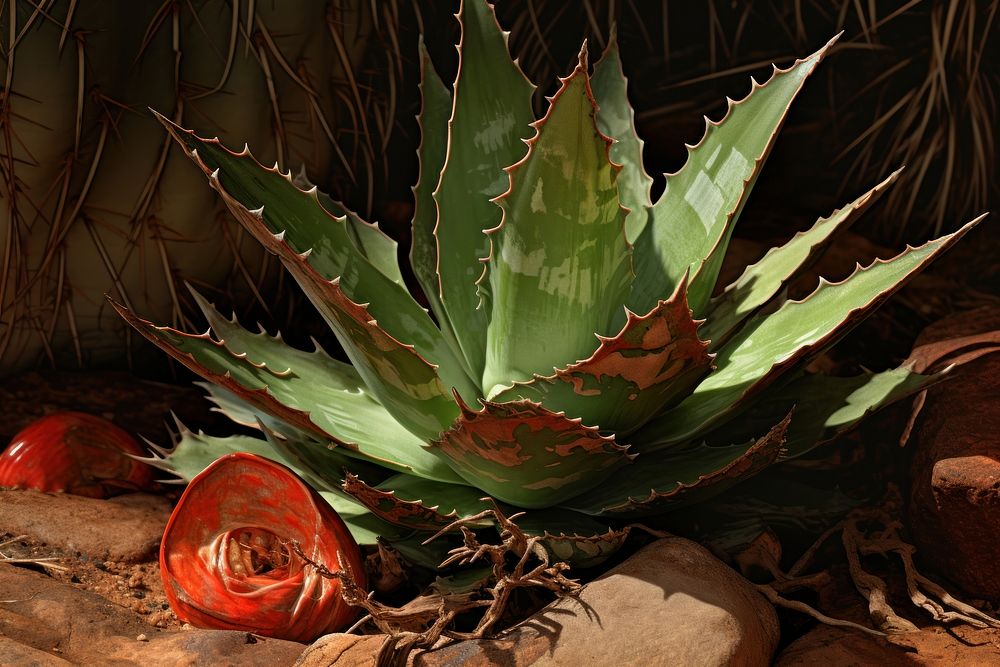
512	541
425	620
946	609
858	542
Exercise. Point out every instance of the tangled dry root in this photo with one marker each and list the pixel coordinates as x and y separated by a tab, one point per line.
872	531
425	620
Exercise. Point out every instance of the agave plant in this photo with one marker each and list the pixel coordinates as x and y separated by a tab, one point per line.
577	361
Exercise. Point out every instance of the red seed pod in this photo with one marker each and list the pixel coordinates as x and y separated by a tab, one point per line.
226	557
77	453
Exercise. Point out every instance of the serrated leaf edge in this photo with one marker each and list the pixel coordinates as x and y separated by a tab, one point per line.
581	69
731	104
768	445
631	319
275	242
350	480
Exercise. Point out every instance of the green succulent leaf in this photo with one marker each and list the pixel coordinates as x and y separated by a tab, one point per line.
680	476
305	452
419	504
366	528
193	452
370	241
693	219
779	500
307	390
772	343
575	538
245	414
826	406
491	114
433	122
560	253
411	378
654	361
587	550
528	456
616	119
763	280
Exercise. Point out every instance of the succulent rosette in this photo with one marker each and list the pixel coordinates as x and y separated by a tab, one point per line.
229	559
579	361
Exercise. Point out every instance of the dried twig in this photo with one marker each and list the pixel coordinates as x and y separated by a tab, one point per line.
423	621
883	541
795	605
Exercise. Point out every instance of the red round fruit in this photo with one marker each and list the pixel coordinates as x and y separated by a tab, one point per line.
227	559
77	453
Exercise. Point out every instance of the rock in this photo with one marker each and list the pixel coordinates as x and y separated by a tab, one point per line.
932	646
125	531
342	650
48	623
672	603
15	653
955	496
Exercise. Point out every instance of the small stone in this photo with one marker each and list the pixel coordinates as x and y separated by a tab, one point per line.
99	529
142	638
671	603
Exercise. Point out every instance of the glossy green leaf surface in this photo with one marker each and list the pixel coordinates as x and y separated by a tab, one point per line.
560	253
193	452
679	476
386	344
433	120
693	219
491	114
770	344
764	279
616	119
827	406
654	361
245	414
366	528
369	241
296	447
301	389
526	455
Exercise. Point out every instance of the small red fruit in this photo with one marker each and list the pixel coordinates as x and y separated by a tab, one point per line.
77	453
227	558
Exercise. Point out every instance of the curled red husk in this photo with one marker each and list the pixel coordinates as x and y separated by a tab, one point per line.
77	453
227	560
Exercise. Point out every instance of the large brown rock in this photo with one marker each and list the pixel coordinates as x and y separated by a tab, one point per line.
672	603
125	530
955	496
46	622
